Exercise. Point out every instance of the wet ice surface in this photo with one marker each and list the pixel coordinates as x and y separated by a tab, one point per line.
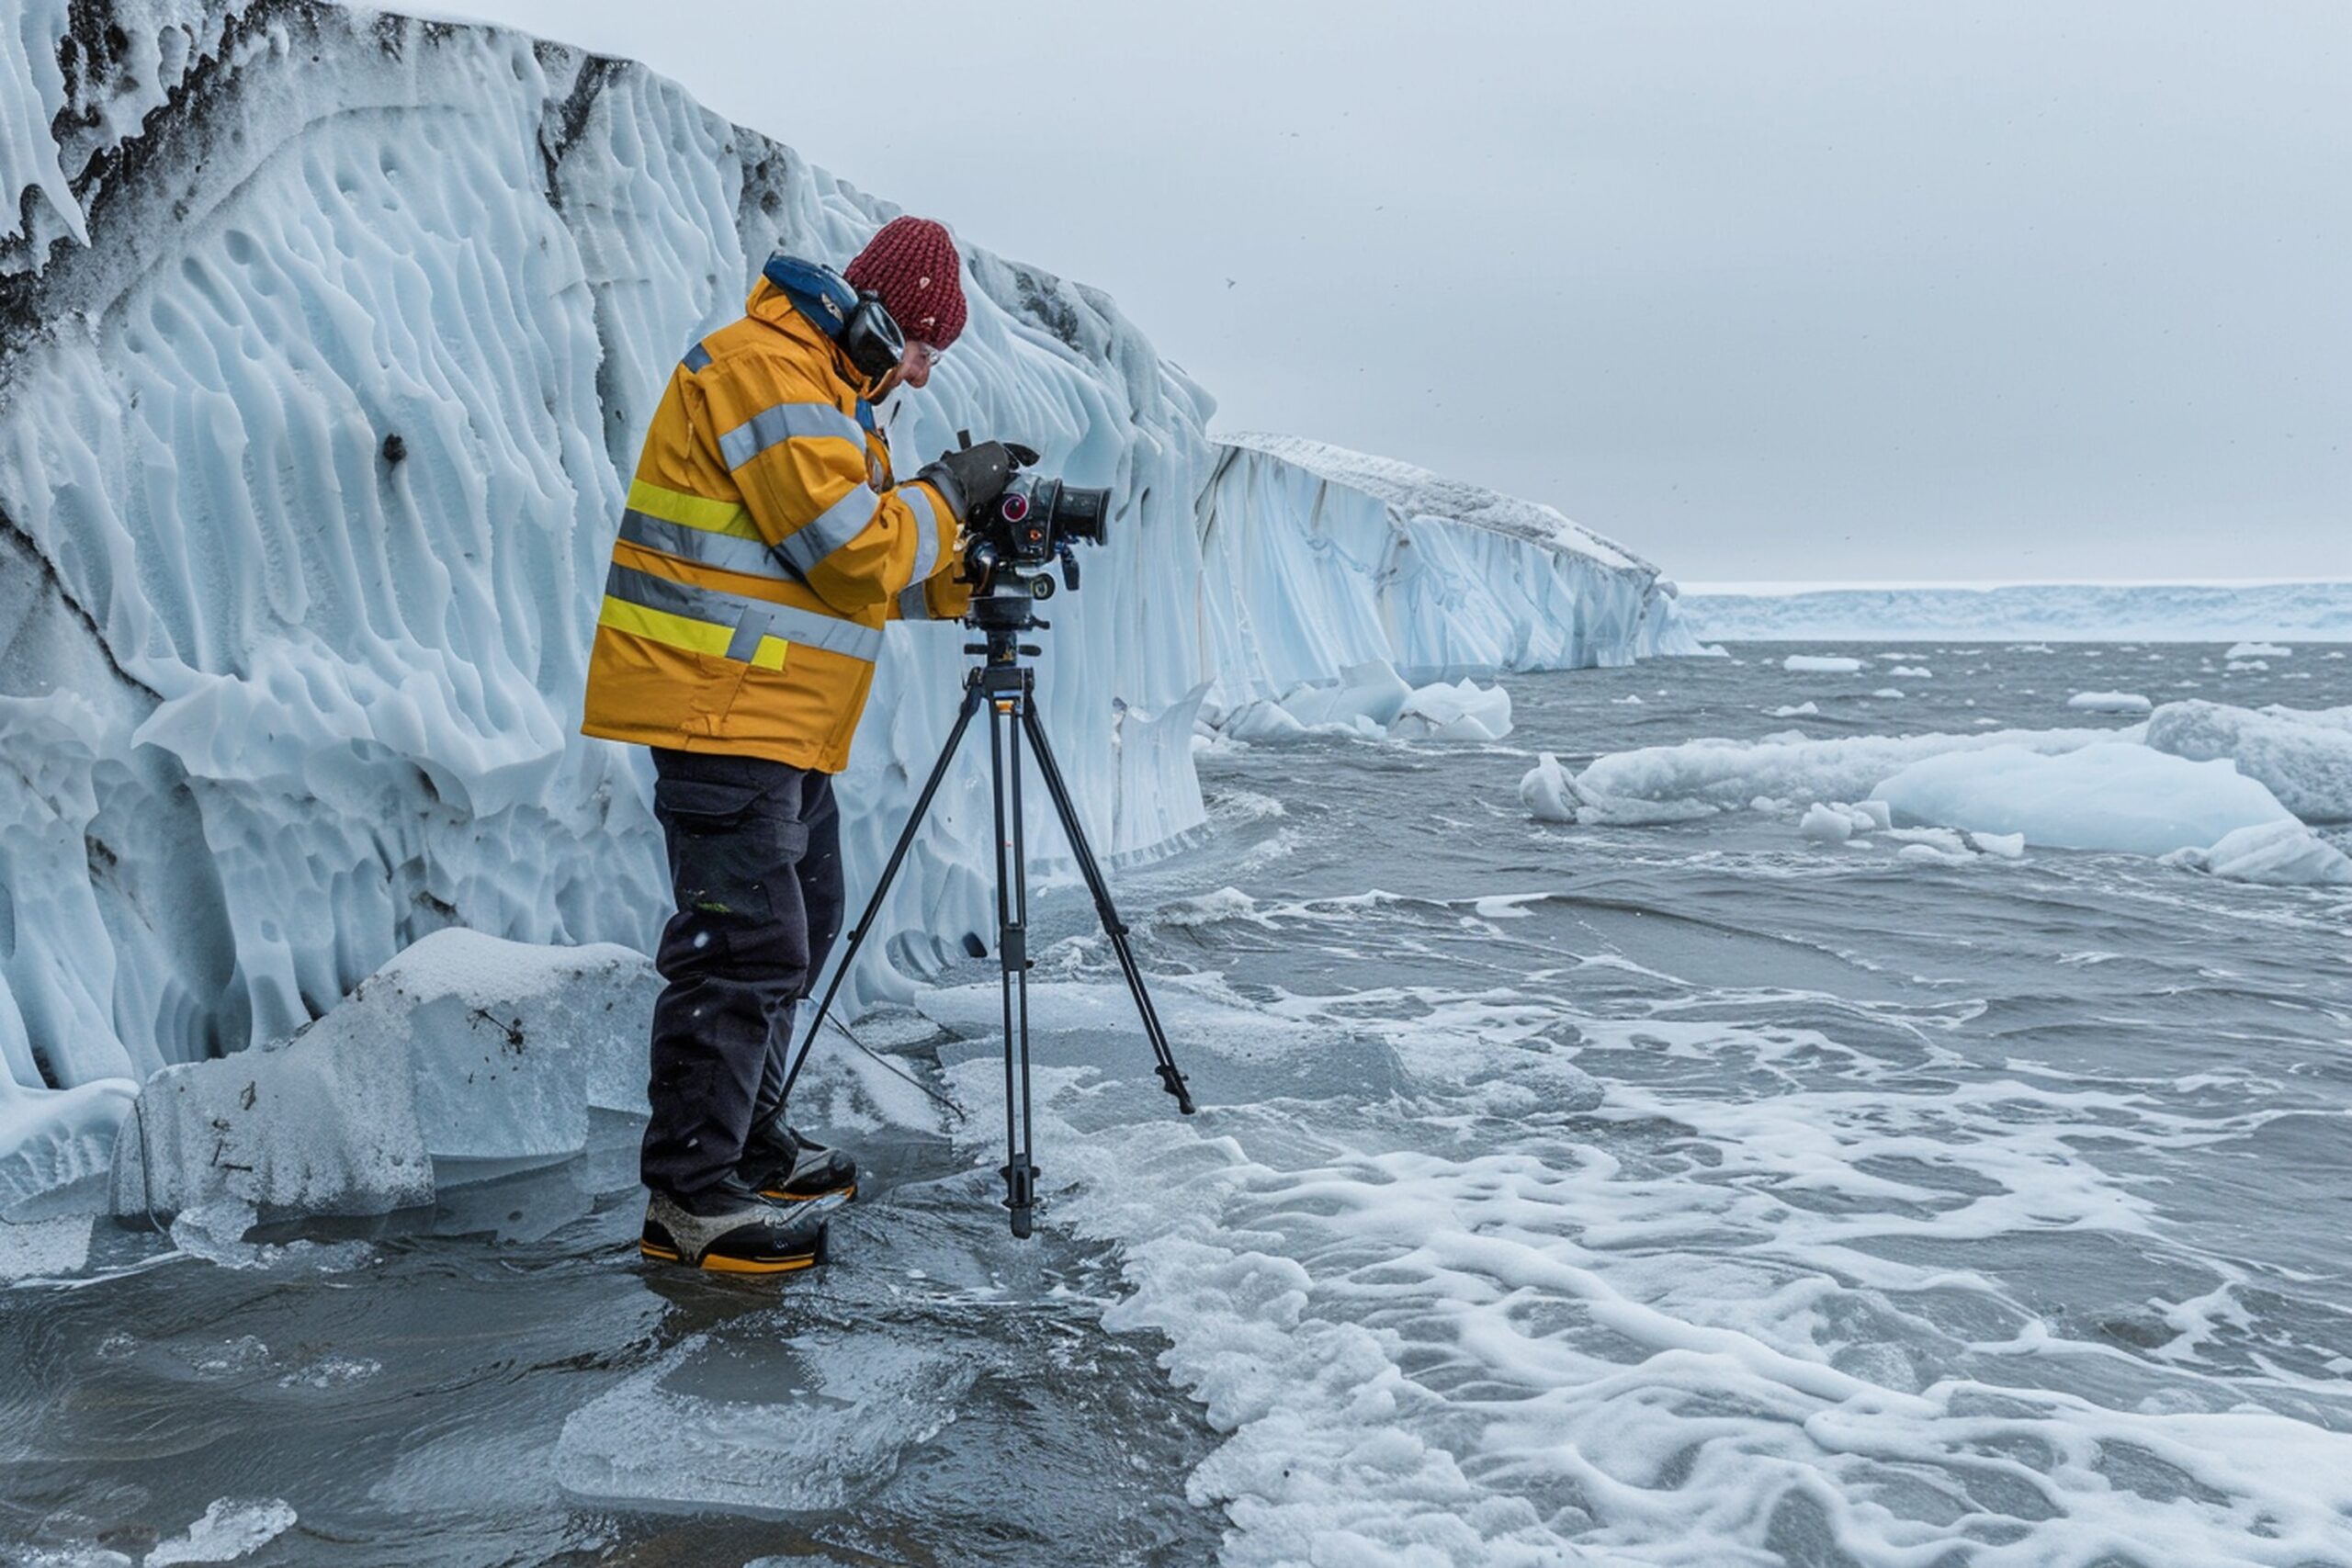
1977	1213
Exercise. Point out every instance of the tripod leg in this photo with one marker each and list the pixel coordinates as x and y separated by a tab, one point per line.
1012	953
1115	928
882	885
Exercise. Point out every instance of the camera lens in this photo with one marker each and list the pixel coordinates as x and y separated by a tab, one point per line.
1082	514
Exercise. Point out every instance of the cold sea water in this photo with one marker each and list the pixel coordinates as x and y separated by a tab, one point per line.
1695	1193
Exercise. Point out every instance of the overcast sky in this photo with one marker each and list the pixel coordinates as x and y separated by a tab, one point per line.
1767	288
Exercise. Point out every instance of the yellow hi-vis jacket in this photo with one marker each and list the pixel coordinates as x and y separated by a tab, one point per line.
762	548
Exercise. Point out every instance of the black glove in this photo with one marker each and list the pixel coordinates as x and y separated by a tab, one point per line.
976	476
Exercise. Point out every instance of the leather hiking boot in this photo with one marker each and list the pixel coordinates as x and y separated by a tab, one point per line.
742	1236
779	1163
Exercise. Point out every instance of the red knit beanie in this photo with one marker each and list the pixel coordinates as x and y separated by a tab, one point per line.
913	265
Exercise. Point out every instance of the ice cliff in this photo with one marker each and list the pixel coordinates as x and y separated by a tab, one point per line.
328	336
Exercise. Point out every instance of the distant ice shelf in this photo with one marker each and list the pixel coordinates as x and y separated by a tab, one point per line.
329	338
2317	610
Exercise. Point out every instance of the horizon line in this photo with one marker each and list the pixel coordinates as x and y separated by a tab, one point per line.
1790	587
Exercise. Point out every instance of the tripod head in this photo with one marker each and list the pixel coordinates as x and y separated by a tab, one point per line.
1005	605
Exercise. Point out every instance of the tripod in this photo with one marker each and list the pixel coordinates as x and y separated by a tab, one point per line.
1006	687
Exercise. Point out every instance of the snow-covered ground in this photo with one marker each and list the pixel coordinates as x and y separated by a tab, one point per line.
330	338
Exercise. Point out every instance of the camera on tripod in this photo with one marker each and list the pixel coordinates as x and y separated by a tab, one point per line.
1034	521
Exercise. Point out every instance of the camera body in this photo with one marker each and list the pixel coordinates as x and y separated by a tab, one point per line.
1035	522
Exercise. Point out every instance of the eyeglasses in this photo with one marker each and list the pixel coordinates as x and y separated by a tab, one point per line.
930	353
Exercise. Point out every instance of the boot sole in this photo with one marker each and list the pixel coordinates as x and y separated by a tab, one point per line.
720	1265
780	1195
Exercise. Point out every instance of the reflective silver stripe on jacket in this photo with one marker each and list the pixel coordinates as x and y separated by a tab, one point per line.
751	618
912	604
830	529
926	530
786	422
728	552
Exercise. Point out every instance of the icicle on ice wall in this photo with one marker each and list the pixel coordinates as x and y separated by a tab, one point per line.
308	462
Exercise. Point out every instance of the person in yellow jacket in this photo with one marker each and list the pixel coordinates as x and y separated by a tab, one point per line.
765	542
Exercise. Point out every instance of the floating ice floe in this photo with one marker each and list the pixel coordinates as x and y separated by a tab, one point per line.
2283	853
1837	822
1834	822
1551	794
215	1231
2303	757
1459	712
2108	702
2183	784
230	1529
1546	791
1373	700
2112	796
2258	651
1697	777
1820	664
466	1056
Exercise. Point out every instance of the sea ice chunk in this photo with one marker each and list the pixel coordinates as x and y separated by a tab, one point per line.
464	1056
2258	651
1786	765
43	1246
803	1429
2304	757
2282	853
1819	664
1546	792
1371	690
230	1529
1826	824
1259	722
1835	822
1458	712
2113	796
2108	702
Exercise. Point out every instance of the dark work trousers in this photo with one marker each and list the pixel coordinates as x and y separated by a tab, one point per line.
755	865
